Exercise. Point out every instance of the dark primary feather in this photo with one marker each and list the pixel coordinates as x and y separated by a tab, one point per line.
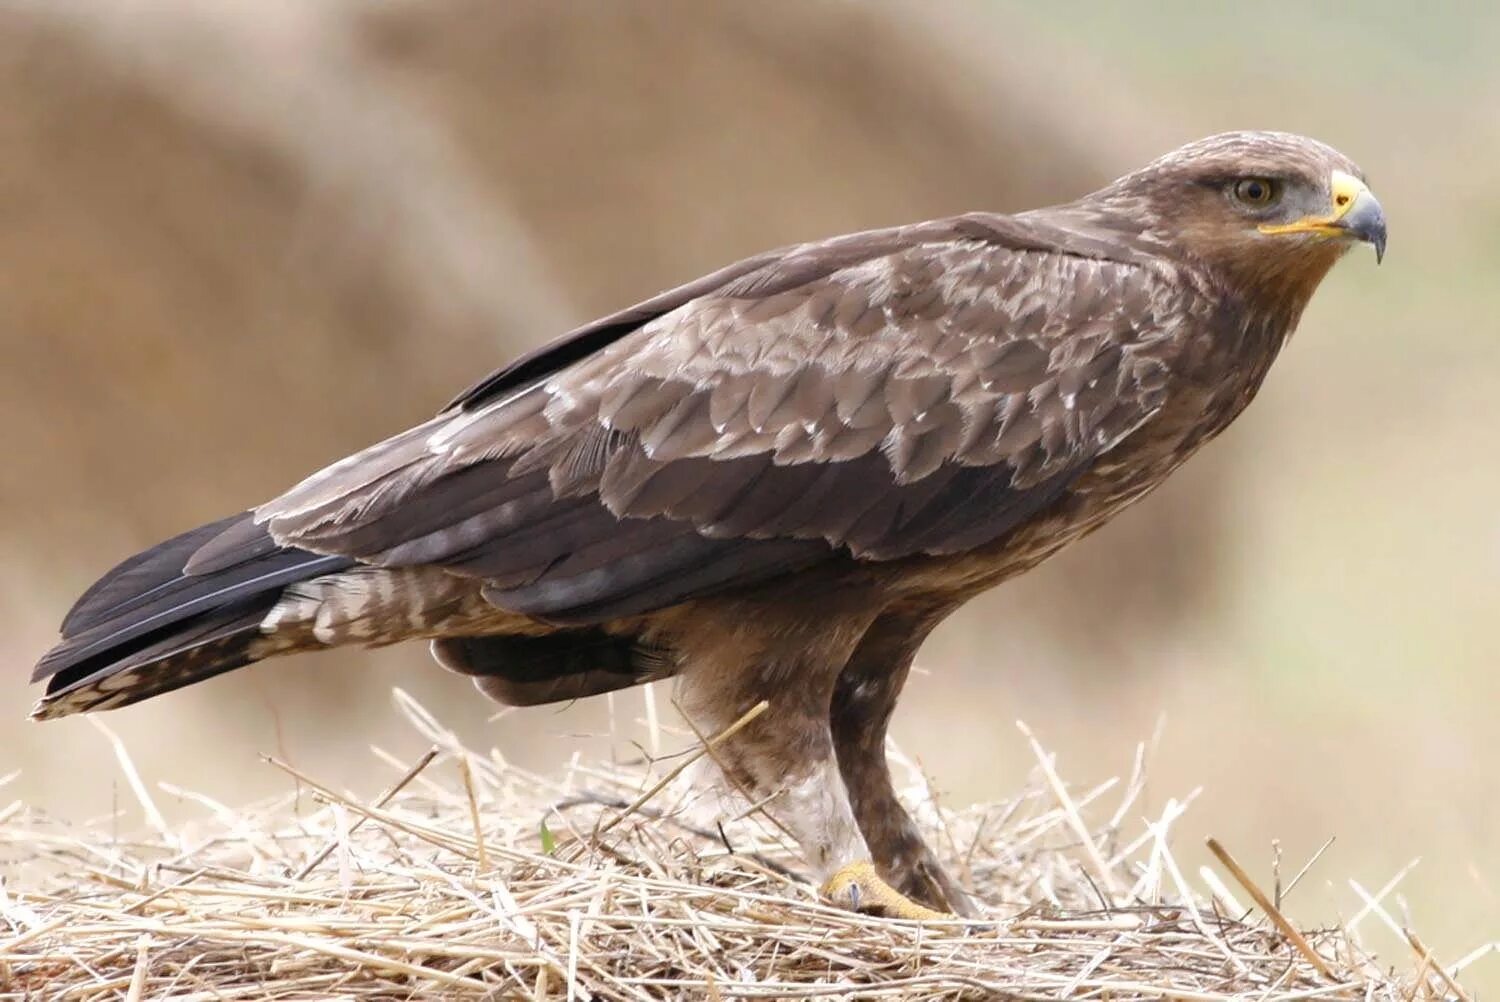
152	607
180	653
134	580
185	596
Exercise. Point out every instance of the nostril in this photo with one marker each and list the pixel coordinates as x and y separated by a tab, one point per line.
1341	201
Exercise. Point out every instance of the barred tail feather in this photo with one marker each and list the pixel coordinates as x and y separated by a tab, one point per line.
151	624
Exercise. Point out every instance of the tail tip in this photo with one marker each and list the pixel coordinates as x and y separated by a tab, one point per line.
65	704
49	709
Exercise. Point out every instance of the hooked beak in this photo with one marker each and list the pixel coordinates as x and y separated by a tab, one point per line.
1354	215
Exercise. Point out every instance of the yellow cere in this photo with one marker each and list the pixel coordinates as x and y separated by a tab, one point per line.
1345	190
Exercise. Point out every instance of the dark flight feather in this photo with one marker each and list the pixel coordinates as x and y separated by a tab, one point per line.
151	625
163	594
173	655
135	579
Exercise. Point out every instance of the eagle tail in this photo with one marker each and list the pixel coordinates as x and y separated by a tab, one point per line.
182	611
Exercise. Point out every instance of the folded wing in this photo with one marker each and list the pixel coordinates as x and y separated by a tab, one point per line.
912	391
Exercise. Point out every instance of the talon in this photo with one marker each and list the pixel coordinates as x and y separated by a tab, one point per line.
859	888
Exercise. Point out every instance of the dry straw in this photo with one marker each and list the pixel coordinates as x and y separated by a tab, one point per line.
469	878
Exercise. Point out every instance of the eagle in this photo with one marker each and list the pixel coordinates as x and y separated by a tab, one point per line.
770	484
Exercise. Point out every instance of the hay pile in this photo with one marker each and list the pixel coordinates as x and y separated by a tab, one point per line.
470	878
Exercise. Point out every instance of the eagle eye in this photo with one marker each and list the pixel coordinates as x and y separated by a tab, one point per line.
1256	192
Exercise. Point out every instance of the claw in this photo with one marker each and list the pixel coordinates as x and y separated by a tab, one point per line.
859	888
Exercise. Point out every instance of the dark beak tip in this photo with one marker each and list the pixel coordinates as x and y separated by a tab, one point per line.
1366	221
1374	233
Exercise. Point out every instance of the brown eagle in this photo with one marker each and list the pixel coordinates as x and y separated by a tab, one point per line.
773	482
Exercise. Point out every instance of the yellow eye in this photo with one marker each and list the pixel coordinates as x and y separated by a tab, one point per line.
1258	192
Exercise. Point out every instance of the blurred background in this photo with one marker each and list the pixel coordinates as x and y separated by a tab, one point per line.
240	240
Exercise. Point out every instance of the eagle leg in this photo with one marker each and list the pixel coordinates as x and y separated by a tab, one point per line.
830	668
863	700
783	761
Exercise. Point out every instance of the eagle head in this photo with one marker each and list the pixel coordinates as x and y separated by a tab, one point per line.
1267	212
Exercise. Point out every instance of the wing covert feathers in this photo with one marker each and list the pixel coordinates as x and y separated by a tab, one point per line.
916	391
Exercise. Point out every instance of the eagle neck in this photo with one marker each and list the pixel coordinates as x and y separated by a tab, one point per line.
1243	345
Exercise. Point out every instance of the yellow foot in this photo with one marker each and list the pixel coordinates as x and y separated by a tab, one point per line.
859	888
